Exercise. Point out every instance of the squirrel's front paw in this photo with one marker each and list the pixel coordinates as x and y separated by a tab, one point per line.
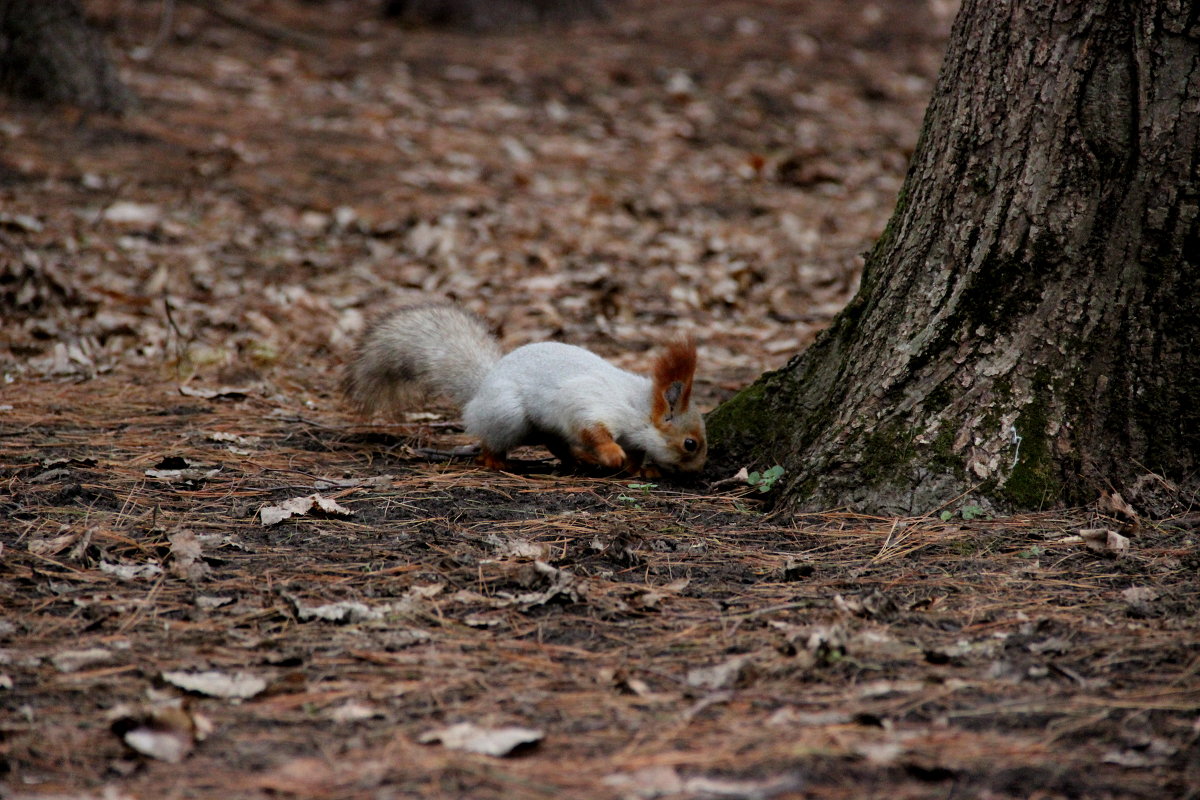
647	472
599	447
611	456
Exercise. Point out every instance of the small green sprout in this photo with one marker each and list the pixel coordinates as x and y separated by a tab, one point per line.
972	512
624	498
764	481
968	513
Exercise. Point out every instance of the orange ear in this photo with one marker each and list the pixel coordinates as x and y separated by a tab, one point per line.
673	373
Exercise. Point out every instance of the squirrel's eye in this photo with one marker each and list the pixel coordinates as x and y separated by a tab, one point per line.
690	445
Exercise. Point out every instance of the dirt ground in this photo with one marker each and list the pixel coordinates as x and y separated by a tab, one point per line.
216	581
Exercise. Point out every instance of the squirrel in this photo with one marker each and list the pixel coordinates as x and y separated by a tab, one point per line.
582	408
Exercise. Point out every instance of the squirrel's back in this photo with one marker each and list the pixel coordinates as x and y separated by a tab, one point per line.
555	376
437	348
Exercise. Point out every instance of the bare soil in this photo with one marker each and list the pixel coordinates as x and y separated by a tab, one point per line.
179	287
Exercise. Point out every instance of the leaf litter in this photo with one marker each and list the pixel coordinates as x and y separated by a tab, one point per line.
177	288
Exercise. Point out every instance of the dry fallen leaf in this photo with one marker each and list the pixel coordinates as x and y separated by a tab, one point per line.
1151	752
349	612
323	777
271	515
165	744
346	611
1140	599
512	547
1113	503
238	686
647	783
623	682
125	212
1136	595
321	484
174	468
791	717
472	738
221	392
75	660
23	222
55	545
558	583
167	731
652	782
353	711
719	676
1103	540
130	572
186	562
880	753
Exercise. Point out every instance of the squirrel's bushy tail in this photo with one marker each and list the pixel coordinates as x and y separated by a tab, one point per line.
439	349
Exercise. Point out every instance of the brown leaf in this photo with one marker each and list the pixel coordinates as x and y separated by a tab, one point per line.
186	561
1104	540
166	731
1112	503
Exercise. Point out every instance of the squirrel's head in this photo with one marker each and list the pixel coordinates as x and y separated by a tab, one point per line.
683	446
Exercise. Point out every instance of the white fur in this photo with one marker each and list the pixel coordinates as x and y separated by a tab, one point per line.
545	393
562	389
438	348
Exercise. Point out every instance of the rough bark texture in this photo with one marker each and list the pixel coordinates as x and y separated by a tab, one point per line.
492	14
1026	331
47	52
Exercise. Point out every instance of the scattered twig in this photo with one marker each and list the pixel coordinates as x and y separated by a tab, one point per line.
165	22
268	30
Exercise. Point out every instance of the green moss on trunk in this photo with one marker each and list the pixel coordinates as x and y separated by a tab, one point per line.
1033	481
750	428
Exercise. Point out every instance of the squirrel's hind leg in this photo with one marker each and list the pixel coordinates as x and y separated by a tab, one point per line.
500	426
489	459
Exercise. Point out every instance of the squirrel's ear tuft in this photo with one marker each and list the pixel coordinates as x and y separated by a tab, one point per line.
673	373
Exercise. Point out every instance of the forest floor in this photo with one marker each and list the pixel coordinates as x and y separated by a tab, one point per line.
178	288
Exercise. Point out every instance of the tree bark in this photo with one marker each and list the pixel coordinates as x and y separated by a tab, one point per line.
1027	331
47	52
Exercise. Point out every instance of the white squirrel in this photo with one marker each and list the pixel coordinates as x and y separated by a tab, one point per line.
568	399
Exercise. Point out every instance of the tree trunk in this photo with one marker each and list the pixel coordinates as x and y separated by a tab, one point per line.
1027	332
47	52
